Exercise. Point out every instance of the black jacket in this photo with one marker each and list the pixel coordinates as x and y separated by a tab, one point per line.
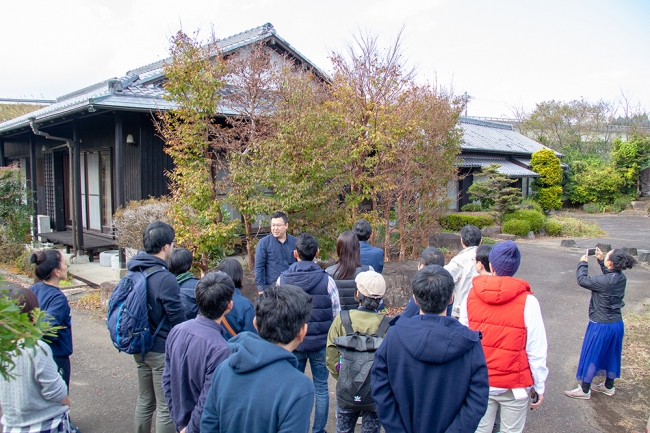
163	296
607	292
347	287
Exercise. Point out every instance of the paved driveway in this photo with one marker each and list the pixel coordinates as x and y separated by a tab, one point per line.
104	386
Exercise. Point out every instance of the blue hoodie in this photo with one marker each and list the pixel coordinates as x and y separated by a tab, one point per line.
258	389
429	375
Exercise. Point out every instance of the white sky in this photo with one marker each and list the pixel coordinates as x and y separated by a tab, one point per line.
504	53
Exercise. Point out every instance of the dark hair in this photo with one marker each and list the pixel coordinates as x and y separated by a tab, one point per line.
349	255
432	287
280	312
483	256
362	229
25	299
46	262
282	215
307	247
368	302
213	292
233	269
181	261
156	236
432	256
470	235
621	260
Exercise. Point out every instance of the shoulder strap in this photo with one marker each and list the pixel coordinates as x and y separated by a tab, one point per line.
383	327
225	323
152	270
347	323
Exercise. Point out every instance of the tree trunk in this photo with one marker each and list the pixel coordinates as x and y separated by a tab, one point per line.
250	251
387	230
402	226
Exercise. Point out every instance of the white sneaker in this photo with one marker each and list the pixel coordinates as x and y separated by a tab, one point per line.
602	388
578	393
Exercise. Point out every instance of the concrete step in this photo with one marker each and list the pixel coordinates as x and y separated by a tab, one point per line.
634	212
640	205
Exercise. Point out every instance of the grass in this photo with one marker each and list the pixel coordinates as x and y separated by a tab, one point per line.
90	301
635	369
577	227
488	241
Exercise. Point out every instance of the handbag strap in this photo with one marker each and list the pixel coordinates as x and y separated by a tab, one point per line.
225	323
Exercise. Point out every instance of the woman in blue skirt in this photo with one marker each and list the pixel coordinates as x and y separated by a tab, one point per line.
603	343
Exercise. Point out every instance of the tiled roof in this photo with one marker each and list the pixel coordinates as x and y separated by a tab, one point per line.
136	90
484	136
508	168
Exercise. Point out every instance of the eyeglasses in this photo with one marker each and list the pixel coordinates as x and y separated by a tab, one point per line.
277	226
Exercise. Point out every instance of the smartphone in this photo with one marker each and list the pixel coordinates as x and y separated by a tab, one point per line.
591	251
534	397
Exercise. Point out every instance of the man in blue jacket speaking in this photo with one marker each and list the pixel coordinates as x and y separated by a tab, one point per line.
274	254
429	374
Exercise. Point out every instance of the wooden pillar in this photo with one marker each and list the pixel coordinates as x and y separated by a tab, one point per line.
118	170
32	181
2	152
78	208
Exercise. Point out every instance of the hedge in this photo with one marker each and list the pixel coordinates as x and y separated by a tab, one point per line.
553	227
516	227
457	221
535	219
471	207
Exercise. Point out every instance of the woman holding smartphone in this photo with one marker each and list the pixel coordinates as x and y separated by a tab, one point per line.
603	342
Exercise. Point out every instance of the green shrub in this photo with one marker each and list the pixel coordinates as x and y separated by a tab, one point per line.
591	207
15	212
622	203
472	207
516	227
553	227
531	202
10	251
23	265
456	221
534	218
577	227
488	241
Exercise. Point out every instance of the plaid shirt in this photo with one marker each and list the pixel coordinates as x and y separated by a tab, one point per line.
60	424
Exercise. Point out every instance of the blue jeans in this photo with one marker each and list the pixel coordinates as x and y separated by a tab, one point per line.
320	375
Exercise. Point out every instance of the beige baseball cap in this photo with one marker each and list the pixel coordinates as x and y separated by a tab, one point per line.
371	284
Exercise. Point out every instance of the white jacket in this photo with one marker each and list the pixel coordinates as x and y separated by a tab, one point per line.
462	270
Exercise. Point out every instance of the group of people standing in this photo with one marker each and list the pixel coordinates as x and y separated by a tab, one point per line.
468	352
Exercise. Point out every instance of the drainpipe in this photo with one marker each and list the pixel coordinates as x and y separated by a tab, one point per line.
71	145
32	182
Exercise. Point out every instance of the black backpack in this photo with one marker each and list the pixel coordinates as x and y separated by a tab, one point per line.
357	356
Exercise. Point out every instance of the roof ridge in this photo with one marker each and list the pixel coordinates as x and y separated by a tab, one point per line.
85	90
486	123
265	28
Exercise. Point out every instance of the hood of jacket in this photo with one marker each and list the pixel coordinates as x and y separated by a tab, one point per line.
250	352
142	261
435	339
495	290
305	275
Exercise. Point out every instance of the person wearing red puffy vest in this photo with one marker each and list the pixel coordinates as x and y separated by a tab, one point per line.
509	317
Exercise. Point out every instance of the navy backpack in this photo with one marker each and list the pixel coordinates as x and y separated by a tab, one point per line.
128	313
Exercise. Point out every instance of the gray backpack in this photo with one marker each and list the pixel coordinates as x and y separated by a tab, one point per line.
357	356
